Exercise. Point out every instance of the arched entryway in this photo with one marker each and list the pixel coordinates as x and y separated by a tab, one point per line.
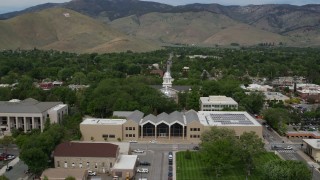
149	130
162	130
176	130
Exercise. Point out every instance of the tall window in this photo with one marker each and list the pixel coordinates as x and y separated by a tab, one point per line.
65	164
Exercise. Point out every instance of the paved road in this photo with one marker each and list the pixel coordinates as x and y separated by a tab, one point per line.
274	139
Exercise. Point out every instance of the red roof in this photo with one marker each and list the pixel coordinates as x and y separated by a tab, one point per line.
74	149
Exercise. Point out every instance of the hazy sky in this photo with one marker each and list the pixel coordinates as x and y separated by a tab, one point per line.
14	5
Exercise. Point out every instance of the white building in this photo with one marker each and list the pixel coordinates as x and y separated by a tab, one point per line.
313	148
30	114
275	96
257	87
217	103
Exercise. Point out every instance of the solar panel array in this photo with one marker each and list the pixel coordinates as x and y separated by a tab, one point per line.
225	119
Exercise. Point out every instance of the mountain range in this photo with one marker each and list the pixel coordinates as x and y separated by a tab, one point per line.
121	25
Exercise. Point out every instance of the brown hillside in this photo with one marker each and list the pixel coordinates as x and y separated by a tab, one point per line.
64	30
202	28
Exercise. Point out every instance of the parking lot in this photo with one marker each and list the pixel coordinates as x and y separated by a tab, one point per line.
158	156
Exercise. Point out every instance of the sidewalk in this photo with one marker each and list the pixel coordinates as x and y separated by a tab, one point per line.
11	163
309	160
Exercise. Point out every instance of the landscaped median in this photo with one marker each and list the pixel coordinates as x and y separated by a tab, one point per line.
193	168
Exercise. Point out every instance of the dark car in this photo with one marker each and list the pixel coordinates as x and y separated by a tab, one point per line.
145	163
170	174
9	168
170	153
196	148
170	162
170	168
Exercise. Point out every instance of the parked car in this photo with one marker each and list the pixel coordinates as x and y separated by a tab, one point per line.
288	148
170	174
9	168
196	148
170	157
92	173
10	156
145	163
138	151
276	147
170	168
170	153
143	170
153	141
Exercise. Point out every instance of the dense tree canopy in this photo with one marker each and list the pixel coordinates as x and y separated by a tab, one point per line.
221	149
286	170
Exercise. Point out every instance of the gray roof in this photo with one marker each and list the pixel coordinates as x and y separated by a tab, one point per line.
136	116
122	113
163	117
191	115
150	117
26	106
176	116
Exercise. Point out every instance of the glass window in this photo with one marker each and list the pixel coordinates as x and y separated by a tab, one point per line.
65	164
58	163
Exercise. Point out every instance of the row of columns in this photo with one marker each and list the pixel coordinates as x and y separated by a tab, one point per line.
17	121
183	127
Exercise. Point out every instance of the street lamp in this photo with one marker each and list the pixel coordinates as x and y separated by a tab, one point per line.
312	172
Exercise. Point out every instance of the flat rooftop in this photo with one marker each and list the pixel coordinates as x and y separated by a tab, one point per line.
125	162
97	121
226	118
62	173
314	143
59	106
217	100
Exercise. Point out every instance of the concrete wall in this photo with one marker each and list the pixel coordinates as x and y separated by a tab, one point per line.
194	136
127	132
98	164
56	115
96	131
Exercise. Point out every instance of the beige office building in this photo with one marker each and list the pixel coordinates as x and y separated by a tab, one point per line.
176	126
217	103
313	148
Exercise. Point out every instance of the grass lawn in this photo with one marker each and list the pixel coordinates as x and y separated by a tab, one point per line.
192	169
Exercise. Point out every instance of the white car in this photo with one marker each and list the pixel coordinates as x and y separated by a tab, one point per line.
288	148
138	151
153	141
133	141
92	173
143	170
9	157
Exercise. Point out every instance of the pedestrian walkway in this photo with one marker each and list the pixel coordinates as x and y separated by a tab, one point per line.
286	151
11	163
309	160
